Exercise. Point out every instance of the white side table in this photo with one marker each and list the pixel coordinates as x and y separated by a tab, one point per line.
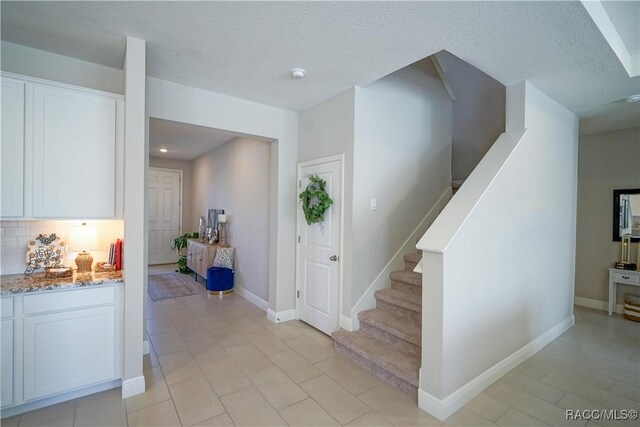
628	277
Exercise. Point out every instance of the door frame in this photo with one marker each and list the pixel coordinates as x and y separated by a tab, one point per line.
180	201
313	162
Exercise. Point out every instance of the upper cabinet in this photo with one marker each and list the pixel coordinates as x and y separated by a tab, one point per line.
72	143
12	148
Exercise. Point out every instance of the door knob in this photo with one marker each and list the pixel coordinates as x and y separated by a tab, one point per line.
334	257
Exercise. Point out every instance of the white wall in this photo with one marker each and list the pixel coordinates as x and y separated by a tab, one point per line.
189	221
173	101
499	261
58	68
402	158
326	130
607	161
235	177
478	113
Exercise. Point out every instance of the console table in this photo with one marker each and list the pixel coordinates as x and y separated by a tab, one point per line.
200	256
627	277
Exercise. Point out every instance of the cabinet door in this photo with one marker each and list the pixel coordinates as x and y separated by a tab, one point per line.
12	143
6	362
67	350
74	153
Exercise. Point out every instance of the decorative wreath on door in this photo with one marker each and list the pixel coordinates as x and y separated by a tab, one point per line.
315	200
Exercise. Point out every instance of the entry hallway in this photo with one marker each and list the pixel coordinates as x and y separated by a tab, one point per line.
221	362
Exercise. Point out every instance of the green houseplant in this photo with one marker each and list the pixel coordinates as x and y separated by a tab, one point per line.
179	245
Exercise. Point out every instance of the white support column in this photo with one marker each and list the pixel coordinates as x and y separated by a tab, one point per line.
135	250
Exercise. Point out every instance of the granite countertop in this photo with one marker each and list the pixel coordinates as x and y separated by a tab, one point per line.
19	283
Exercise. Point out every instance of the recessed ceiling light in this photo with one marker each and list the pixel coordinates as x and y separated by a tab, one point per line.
163	150
298	73
634	98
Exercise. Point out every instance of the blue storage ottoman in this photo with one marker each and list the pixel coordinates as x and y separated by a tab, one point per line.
219	279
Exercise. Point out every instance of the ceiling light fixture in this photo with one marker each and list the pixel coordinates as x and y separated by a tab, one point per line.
298	73
634	98
163	150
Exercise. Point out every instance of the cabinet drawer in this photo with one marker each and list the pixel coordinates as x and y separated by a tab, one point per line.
66	300
630	279
6	309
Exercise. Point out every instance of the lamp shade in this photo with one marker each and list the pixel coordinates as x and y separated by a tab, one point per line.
84	238
222	218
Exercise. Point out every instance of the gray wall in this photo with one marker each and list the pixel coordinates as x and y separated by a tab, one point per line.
607	161
189	224
478	113
236	177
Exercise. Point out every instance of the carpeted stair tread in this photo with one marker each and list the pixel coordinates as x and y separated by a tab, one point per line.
405	276
406	329
414	257
402	365
402	299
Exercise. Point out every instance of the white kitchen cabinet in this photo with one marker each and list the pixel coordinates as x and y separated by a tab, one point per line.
12	146
6	362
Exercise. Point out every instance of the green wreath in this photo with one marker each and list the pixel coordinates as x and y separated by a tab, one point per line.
315	200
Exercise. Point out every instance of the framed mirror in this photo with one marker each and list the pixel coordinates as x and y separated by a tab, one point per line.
626	214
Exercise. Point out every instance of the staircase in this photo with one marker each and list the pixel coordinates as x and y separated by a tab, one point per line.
389	341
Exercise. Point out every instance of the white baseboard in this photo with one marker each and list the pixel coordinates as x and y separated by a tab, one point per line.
597	304
133	386
345	323
146	347
367	300
444	408
252	298
281	316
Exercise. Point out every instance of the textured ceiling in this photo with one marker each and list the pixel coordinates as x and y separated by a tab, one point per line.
184	141
625	16
247	49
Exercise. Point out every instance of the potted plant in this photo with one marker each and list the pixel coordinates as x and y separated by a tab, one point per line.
179	245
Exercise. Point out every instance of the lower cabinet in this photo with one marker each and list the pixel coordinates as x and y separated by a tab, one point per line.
6	362
68	350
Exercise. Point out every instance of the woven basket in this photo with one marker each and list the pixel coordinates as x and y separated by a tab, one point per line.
50	274
100	268
632	307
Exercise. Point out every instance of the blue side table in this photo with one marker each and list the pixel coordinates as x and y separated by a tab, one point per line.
220	280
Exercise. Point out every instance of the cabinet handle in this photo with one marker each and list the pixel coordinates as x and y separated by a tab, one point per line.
626	277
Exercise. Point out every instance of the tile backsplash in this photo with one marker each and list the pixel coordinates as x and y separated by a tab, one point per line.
14	236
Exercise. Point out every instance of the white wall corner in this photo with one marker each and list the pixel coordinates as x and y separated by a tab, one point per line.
281	316
444	408
345	323
515	106
251	297
133	386
146	347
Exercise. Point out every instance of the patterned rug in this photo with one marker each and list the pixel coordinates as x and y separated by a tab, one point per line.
170	286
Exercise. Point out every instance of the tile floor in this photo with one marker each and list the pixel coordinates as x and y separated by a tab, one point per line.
221	362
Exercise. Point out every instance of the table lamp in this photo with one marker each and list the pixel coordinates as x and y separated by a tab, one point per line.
83	239
223	219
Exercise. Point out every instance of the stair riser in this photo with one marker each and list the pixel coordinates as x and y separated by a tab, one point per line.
400	311
393	340
409	266
406	287
402	385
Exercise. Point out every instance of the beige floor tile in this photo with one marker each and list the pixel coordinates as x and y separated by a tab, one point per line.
397	408
247	326
309	349
338	402
515	418
225	376
192	331
150	360
229	337
295	366
57	415
213	321
248	407
223	420
103	409
167	343
195	401
488	407
161	414
307	413
580	373
179	366
156	311
181	316
161	325
372	419
249	358
534	387
266	342
10	422
572	402
283	331
625	390
532	370
346	373
318	337
156	391
206	350
466	417
276	387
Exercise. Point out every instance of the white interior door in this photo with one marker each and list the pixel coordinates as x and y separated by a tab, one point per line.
164	214
319	251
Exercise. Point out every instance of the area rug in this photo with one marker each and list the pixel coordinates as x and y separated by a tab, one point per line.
170	286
